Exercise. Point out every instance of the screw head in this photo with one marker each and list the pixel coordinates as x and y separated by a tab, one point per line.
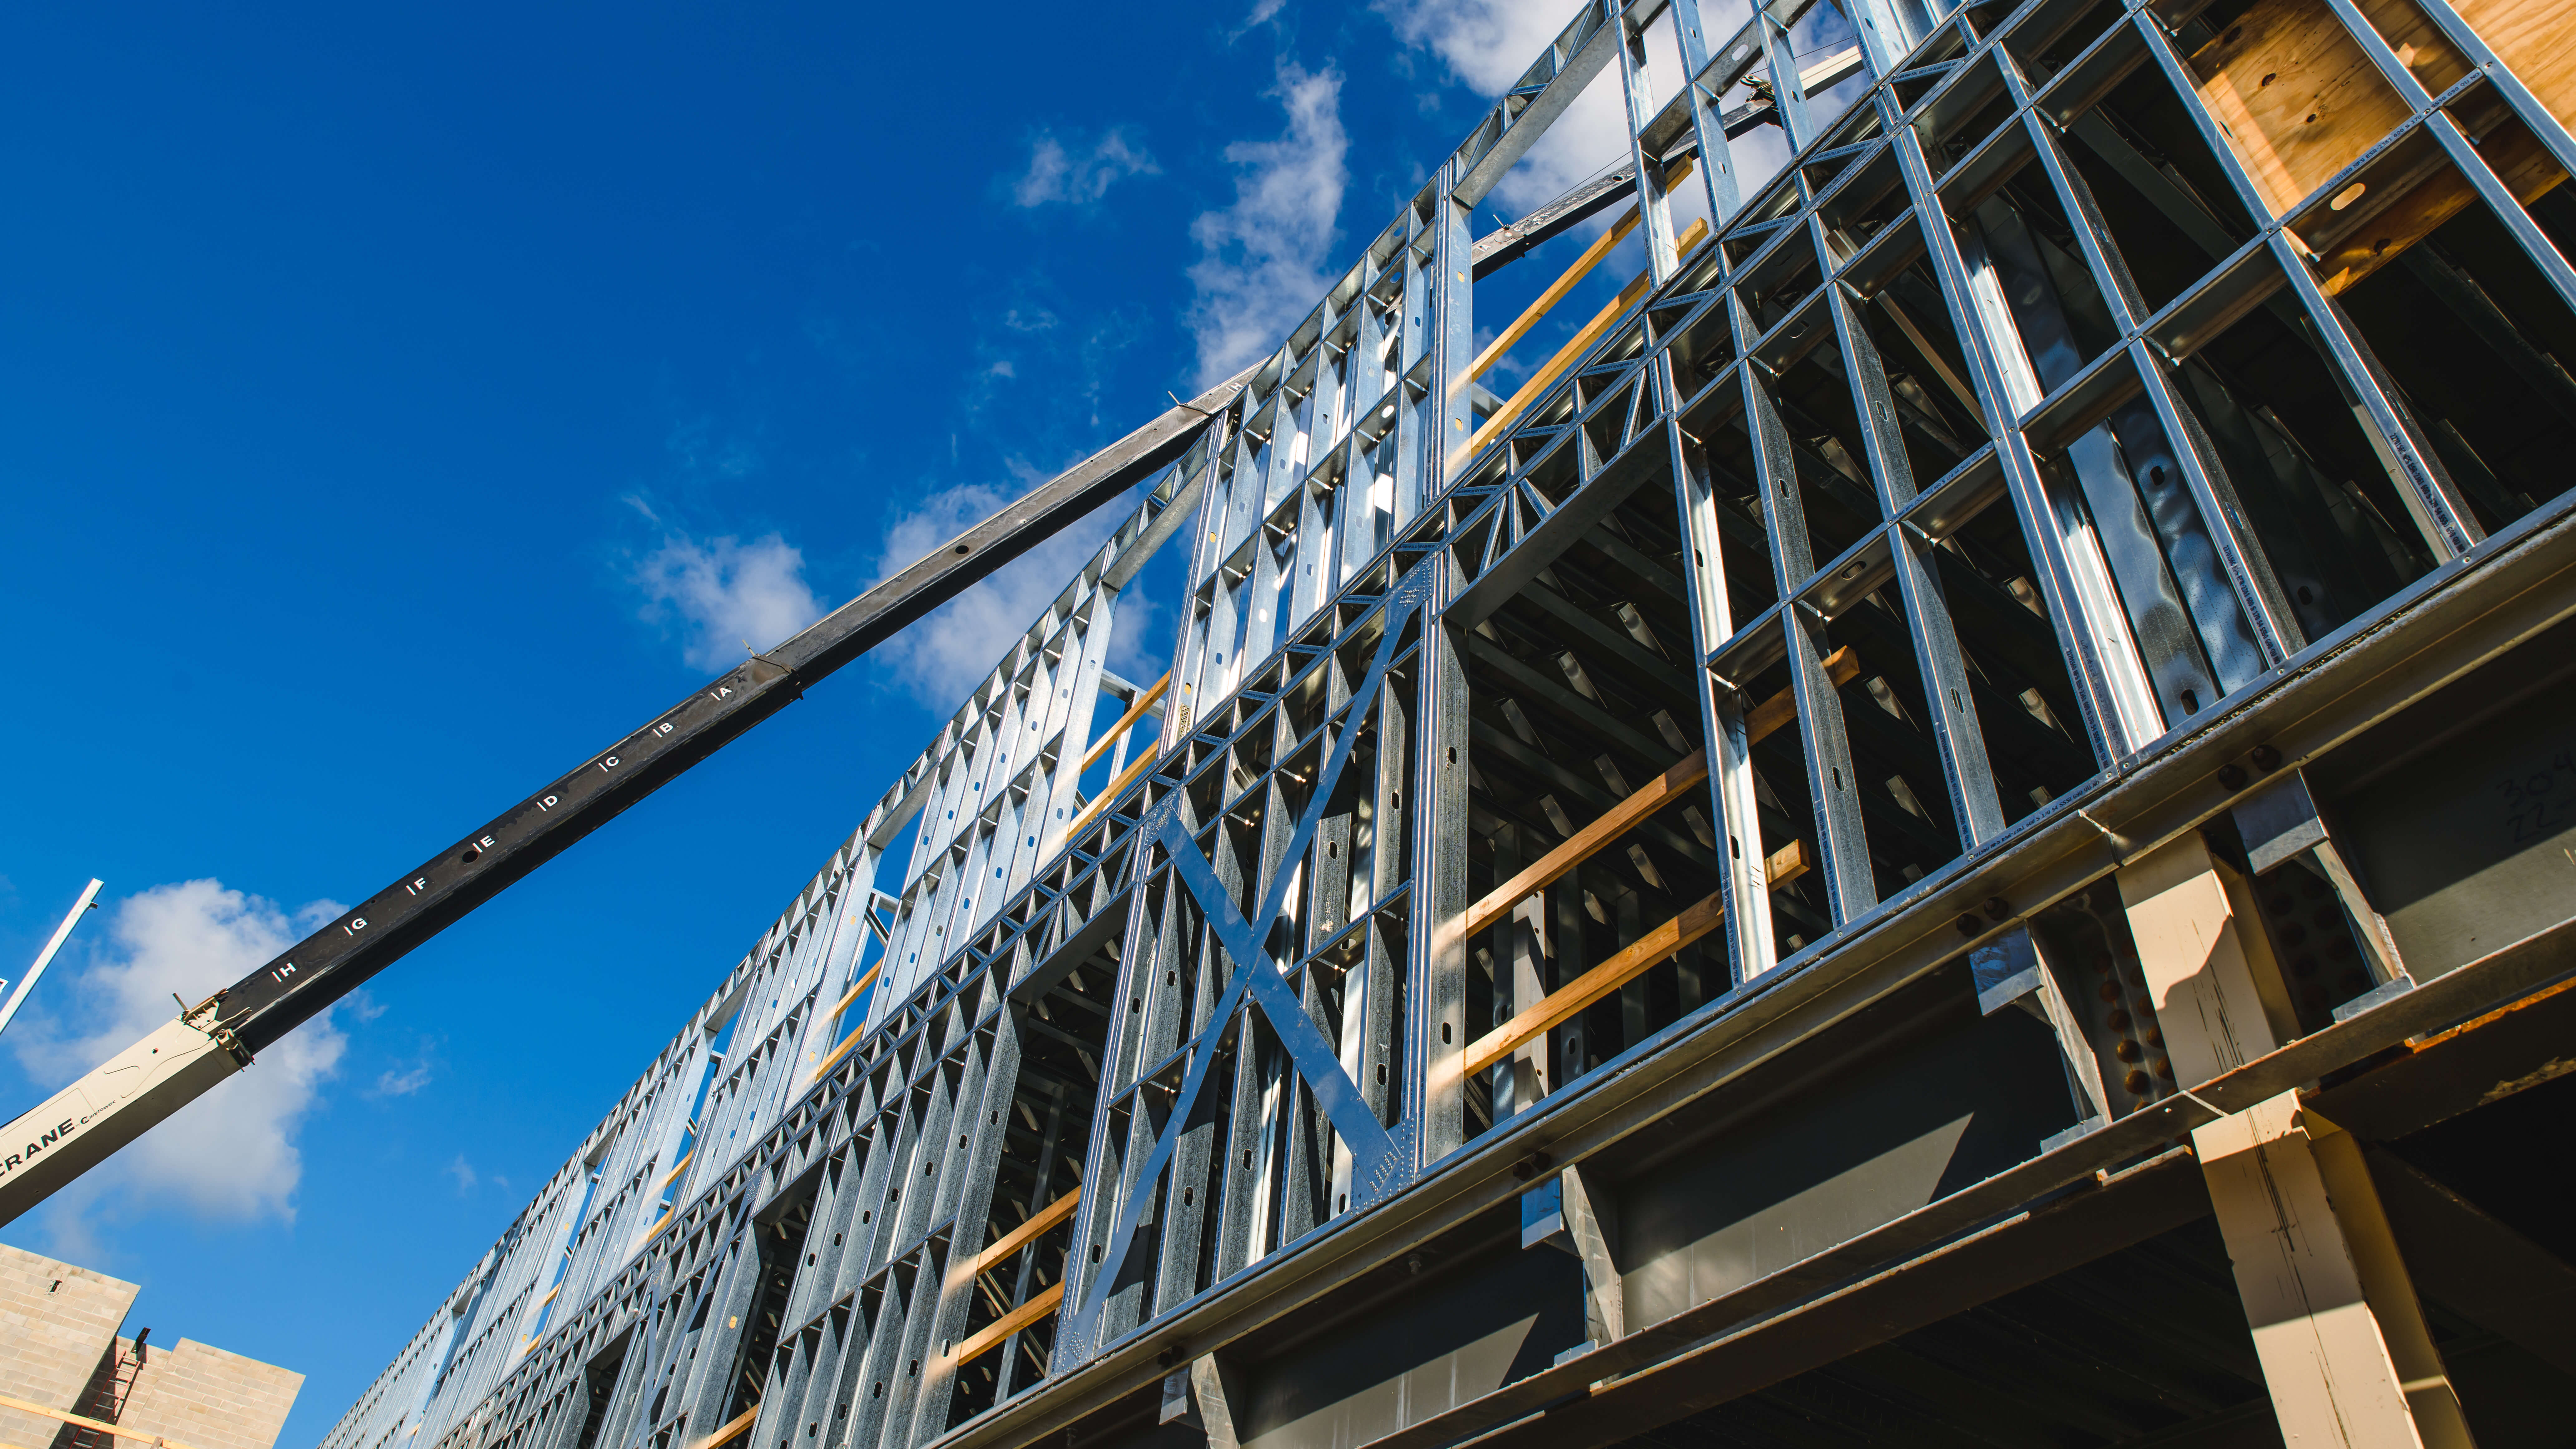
1969	925
2265	758
2231	776
1998	909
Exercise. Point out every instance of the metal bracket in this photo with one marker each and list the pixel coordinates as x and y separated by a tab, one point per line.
2281	822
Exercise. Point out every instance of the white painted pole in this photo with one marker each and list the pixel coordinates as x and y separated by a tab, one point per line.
62	933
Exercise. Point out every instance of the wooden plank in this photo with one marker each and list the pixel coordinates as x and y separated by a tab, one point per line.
734	1428
1766	718
2299	101
1136	711
1631	961
856	1032
1531	315
1111	793
2525	166
2535	41
1009	1323
1570	353
2295	95
100	1425
1021	1236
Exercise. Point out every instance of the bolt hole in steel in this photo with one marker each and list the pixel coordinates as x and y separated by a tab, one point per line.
962	548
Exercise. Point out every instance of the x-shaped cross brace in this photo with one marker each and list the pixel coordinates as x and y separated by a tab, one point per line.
1373	1151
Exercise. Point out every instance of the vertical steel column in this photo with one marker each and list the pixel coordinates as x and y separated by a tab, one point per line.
1708	132
2119	707
1436	1027
1637	93
1961	745
1452	296
1788	93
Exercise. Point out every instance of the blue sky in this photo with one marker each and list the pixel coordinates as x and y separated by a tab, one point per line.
398	404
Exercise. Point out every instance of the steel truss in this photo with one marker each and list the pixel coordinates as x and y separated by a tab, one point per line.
2023	477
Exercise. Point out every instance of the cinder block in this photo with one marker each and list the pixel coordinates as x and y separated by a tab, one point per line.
59	1347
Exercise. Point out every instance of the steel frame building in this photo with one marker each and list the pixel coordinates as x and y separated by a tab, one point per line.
1950	827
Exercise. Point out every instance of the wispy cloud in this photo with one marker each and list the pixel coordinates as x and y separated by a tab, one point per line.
940	659
1487	45
728	597
1261	260
463	1173
232	1153
408	1078
1079	174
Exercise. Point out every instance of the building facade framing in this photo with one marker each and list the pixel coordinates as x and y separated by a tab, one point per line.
1947	825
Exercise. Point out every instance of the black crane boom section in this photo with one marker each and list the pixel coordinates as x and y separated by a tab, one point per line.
272	1001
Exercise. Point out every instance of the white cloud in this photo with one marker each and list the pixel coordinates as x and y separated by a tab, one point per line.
729	596
946	655
1261	260
1079	175
405	1079
231	1154
1488	45
464	1174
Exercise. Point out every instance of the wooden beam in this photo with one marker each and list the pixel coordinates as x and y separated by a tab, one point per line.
2532	38
1766	718
2299	100
1108	794
843	1048
1572	351
734	1428
995	1332
1136	711
1631	961
1021	1236
2295	95
1531	315
852	994
99	1425
2519	160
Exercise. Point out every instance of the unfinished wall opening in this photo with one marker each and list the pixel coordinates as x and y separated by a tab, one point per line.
1907	323
1019	1258
1819	439
2026	711
2469	332
1591	857
598	1381
1888	728
2162	195
2333	527
780	1235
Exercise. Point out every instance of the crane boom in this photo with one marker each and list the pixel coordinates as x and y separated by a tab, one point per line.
123	1097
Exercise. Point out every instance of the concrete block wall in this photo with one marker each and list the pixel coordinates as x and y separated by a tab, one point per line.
56	1323
59	1342
206	1398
